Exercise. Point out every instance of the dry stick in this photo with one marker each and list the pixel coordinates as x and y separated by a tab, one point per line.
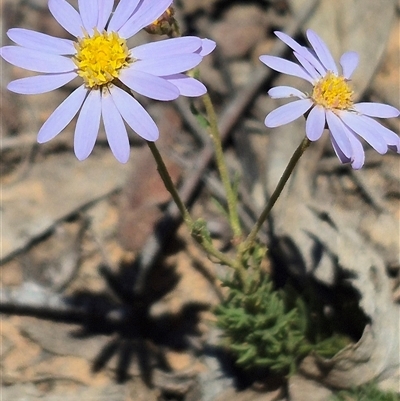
229	118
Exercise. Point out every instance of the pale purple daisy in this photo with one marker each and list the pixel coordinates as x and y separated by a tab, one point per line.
101	58
330	101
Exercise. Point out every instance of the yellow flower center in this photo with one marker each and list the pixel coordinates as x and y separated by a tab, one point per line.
100	57
333	92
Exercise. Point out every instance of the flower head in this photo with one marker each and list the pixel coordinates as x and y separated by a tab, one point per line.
166	24
330	101
101	58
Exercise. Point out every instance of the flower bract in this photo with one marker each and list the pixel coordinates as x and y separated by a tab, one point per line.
108	70
330	102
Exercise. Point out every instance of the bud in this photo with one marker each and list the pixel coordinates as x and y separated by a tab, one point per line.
166	24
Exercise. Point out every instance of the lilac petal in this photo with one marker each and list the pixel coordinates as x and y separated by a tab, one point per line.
341	156
315	123
349	62
117	136
40	83
303	51
207	46
149	85
287	113
168	47
37	61
62	115
122	13
339	133
390	137
87	126
286	67
187	86
105	9
322	51
376	109
358	158
358	155
146	14
279	92
66	16
134	114
167	65
89	11
40	41
362	127
312	72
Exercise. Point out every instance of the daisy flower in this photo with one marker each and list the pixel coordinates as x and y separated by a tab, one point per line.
330	101
99	56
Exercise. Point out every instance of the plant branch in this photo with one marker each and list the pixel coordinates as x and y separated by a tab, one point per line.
163	171
246	245
231	197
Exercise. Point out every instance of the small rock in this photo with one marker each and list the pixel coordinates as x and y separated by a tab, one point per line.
300	389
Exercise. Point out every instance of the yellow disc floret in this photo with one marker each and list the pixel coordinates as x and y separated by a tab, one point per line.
333	92
100	57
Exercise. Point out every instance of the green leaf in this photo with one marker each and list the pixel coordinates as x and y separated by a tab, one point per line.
247	356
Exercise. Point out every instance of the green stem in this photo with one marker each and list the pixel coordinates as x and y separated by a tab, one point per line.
246	245
169	185
221	164
211	251
162	170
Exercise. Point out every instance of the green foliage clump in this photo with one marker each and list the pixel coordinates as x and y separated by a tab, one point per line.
259	327
367	392
265	327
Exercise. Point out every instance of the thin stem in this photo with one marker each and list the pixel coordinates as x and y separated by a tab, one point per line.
274	197
223	170
211	251
208	247
162	170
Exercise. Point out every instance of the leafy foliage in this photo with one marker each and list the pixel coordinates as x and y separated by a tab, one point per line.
268	328
259	328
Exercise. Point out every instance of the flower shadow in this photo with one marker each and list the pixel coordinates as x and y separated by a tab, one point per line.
139	339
